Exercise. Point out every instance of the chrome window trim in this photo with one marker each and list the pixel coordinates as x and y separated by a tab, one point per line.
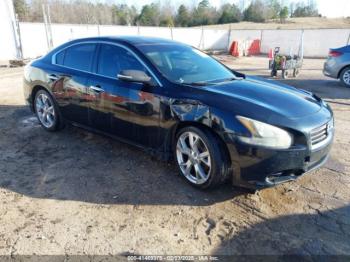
53	59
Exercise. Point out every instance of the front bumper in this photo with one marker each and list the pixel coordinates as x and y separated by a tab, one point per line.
257	167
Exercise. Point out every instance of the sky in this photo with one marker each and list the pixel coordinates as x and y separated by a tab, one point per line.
334	8
328	8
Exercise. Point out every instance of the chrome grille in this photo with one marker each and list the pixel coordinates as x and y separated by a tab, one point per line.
319	134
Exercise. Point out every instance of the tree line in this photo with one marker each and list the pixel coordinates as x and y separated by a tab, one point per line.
160	13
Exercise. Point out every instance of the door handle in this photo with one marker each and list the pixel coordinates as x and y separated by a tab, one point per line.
97	89
52	77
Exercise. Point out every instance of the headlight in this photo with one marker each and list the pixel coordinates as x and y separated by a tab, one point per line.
265	135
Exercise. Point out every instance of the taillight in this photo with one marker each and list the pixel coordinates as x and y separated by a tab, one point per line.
334	53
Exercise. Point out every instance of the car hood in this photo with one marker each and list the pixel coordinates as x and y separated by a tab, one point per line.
282	99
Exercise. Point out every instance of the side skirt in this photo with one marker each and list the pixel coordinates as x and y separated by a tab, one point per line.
157	153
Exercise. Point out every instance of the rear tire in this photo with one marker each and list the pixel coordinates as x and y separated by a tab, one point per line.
209	171
47	111
345	76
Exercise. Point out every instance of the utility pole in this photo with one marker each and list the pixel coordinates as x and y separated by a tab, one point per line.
171	33
229	37
47	23
301	47
16	32
19	45
201	41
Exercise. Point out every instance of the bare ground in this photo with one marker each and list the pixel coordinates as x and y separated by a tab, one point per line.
73	192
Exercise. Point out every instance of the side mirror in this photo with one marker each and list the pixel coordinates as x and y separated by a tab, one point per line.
137	76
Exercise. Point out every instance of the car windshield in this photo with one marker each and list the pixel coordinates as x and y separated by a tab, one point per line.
186	65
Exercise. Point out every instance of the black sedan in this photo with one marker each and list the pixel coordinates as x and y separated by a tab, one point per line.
177	102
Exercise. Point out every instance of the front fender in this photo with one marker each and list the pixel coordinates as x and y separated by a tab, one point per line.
223	124
194	111
190	110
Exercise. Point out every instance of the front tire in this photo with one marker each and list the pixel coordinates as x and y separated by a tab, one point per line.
345	76
46	111
200	157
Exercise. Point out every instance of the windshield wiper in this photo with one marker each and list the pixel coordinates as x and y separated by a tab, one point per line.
228	79
199	83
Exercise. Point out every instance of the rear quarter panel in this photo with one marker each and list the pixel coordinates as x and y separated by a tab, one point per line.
33	77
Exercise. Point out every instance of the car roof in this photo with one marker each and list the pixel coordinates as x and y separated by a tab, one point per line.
128	40
133	40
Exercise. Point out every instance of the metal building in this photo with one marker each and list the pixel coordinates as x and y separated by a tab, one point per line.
9	40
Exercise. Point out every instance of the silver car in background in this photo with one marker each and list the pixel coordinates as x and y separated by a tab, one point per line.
338	64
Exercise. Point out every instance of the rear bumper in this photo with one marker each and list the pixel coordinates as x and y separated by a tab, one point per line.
258	168
27	92
330	69
328	74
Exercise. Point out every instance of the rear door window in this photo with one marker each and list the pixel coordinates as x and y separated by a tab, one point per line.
78	57
60	57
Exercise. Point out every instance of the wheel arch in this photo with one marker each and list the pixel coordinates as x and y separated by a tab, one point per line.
180	125
341	70
35	90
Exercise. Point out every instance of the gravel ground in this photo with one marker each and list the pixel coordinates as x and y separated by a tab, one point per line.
74	193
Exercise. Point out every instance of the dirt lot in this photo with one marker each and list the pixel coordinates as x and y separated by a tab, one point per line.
74	192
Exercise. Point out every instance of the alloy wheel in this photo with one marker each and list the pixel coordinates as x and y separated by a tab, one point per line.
346	77
193	157
45	110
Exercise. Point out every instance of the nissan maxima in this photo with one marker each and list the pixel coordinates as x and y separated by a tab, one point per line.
179	103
